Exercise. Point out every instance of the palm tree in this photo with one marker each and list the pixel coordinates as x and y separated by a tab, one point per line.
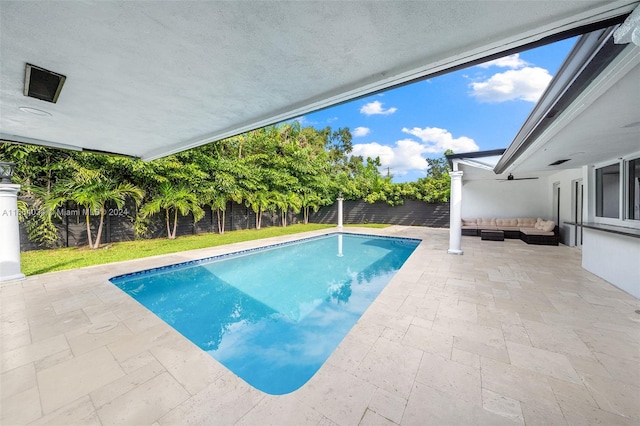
92	190
308	201
173	200
93	197
218	203
259	201
286	201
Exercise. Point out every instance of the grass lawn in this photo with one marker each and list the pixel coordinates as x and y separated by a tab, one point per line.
41	261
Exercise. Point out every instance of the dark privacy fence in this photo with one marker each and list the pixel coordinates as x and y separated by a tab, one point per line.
118	223
411	213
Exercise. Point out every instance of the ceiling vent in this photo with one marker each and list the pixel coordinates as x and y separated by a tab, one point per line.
557	163
42	84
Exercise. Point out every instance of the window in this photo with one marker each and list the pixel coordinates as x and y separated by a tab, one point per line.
633	190
608	191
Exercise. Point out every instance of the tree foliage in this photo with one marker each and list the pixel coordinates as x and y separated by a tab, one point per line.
284	168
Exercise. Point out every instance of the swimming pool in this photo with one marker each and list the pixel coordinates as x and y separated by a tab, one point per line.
273	315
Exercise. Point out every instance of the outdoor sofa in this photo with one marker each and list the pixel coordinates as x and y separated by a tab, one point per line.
529	230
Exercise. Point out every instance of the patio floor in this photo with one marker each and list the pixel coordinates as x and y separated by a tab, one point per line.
506	334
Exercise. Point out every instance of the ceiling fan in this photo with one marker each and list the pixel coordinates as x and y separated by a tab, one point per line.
511	177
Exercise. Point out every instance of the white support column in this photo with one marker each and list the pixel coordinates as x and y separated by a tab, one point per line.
340	200
455	206
9	233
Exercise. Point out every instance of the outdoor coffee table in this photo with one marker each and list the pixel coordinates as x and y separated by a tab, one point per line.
491	235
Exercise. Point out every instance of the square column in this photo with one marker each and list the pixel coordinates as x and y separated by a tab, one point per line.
455	212
10	233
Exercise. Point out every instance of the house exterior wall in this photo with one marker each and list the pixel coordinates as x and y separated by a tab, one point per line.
610	256
614	258
500	199
565	181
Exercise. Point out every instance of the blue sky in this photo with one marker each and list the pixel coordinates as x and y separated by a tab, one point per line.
474	109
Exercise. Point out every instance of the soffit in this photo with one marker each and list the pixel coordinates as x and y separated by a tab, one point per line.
148	79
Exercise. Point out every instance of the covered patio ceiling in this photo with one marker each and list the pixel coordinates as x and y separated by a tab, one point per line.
147	79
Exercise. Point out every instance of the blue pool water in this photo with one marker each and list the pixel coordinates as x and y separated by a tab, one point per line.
273	315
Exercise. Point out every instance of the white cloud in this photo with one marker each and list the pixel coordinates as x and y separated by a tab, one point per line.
409	155
525	84
437	140
373	150
360	131
375	108
511	61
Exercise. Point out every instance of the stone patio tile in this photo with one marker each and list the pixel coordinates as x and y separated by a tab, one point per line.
391	366
130	346
430	406
75	302
556	339
142	321
585	414
280	411
95	335
542	412
53	359
33	352
227	400
429	341
494	348
18	380
145	403
502	405
336	394
621	369
21	408
50	326
613	396
79	412
193	368
78	376
459	381
388	405
124	384
381	315
514	382
590	367
375	375
371	418
571	393
610	343
542	361
350	352
467	358
463	311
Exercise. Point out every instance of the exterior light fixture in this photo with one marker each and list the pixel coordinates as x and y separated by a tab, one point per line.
6	171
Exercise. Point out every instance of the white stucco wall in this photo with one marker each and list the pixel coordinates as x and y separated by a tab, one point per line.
614	258
499	199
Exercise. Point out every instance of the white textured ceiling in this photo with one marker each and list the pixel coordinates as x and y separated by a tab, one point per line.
151	78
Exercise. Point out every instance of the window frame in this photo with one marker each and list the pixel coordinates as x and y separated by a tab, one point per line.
624	198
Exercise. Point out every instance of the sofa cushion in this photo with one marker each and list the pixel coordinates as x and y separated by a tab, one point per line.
526	222
487	222
500	223
548	226
468	222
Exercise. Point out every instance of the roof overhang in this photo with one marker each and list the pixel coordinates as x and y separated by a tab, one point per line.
148	79
590	112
